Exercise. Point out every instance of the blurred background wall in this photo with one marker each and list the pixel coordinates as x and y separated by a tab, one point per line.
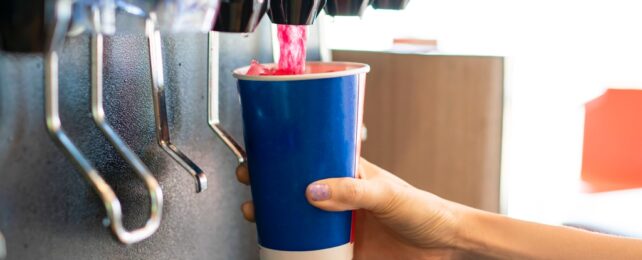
558	55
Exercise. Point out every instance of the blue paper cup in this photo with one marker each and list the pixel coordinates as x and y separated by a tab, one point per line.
299	129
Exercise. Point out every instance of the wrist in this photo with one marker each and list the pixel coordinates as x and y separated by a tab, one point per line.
488	234
469	235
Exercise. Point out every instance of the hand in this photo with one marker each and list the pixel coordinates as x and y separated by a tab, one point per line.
397	221
394	220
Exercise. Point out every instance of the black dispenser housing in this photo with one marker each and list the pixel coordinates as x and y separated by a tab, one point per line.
390	4
23	25
295	12
346	7
242	16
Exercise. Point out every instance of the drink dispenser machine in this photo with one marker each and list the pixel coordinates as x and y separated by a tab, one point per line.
91	92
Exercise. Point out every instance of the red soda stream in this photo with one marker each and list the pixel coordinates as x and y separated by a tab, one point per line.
292	39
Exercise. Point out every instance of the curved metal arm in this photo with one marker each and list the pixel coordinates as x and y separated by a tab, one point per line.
105	192
160	109
212	99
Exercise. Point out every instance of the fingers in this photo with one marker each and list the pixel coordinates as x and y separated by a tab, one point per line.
339	194
242	174
247	208
377	191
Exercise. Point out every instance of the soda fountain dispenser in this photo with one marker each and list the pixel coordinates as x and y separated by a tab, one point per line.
97	60
95	56
58	15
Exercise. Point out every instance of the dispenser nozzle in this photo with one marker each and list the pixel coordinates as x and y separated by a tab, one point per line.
295	12
346	7
242	16
390	4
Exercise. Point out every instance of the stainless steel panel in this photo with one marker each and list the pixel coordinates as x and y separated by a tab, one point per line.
48	211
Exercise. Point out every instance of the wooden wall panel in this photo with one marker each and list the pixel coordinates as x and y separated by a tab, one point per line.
435	121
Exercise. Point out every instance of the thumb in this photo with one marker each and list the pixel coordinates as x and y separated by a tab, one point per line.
339	194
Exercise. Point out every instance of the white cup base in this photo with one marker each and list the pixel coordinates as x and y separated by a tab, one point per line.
342	252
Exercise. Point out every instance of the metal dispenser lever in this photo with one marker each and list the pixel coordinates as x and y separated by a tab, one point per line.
105	192
212	99
132	159
160	108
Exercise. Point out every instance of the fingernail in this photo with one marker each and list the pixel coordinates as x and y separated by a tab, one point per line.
319	191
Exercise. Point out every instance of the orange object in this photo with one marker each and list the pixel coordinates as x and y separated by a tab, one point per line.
612	153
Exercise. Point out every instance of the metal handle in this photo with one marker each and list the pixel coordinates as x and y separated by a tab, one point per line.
105	192
160	108
98	113
213	119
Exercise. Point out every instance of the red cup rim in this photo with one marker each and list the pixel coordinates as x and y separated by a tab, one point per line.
314	70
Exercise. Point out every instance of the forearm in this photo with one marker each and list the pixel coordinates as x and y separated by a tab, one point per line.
500	236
